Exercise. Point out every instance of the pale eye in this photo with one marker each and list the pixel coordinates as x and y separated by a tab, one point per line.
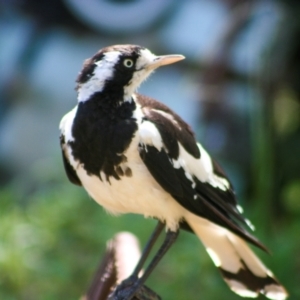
128	63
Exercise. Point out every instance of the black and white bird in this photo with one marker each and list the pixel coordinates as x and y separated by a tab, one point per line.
133	154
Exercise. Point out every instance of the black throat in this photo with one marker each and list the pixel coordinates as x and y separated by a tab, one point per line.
102	131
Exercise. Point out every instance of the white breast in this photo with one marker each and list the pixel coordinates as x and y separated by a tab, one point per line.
139	193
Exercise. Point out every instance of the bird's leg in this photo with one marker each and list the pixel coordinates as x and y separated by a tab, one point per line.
134	276
170	238
168	242
157	231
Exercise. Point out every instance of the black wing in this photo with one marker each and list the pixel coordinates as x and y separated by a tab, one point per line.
203	198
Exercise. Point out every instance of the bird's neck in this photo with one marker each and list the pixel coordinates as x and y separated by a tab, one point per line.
112	94
108	106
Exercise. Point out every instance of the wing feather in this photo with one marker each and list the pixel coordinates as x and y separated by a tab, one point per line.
190	176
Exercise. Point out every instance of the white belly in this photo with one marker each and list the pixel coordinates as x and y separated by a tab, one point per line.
139	193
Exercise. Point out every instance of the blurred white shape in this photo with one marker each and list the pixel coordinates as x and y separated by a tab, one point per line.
127	254
120	16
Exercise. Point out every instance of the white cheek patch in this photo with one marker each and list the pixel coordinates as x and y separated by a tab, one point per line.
136	80
141	73
104	70
146	56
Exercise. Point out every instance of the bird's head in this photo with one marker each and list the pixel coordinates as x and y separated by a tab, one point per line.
119	70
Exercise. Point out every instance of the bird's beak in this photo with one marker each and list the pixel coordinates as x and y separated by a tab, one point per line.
163	60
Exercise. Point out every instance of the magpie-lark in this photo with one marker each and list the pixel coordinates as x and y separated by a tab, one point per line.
135	155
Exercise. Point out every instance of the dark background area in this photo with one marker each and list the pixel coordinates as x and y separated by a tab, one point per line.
239	88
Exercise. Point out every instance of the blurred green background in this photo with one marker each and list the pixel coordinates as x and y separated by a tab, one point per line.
239	88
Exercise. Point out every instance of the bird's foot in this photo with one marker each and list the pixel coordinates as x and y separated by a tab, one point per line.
130	289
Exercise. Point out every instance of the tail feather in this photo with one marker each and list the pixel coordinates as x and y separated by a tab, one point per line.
241	269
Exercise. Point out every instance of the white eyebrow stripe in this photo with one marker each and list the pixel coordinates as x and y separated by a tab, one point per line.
103	71
110	58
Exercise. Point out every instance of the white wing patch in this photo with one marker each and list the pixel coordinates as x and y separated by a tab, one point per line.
150	135
167	116
202	168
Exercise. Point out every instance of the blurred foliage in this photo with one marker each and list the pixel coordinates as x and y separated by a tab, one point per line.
51	245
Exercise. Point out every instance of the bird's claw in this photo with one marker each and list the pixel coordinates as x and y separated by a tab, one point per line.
125	290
